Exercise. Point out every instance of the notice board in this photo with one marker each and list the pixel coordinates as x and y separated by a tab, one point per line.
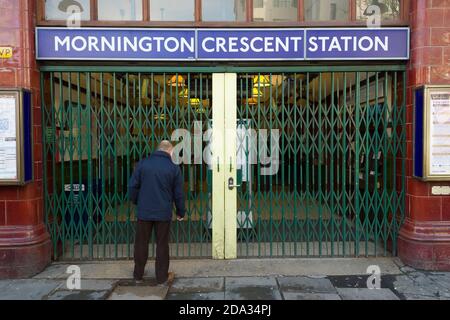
16	155
432	133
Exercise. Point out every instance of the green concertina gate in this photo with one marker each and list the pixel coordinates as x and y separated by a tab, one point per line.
337	135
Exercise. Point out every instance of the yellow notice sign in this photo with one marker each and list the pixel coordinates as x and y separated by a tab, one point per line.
6	52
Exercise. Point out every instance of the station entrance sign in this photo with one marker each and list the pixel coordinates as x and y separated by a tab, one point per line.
222	44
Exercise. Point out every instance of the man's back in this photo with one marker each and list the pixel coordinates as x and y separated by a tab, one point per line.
156	185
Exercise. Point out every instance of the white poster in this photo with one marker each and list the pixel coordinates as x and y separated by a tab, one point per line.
8	145
439	133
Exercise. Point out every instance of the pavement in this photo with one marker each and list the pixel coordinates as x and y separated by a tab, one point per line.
252	279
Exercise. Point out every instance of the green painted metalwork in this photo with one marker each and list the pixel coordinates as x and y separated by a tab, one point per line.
339	189
224	68
98	125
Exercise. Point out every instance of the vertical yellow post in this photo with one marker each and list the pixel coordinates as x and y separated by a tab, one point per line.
218	149
230	166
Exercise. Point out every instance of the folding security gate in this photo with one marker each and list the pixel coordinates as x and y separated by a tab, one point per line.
320	158
98	125
319	163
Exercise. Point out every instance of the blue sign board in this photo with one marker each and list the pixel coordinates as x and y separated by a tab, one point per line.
222	44
357	44
115	44
251	44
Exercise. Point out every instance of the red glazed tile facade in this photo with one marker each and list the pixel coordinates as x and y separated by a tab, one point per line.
24	242
424	240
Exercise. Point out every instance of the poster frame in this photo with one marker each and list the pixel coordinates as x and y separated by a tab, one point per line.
24	136
422	134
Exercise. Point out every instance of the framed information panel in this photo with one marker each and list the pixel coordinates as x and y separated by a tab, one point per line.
16	154
432	133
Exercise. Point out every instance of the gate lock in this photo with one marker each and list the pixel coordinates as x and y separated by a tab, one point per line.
231	184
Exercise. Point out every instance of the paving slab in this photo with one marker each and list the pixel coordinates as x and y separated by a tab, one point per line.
93	285
29	289
418	297
407	269
387	281
416	287
439	274
350	281
149	282
196	296
54	271
231	282
101	270
306	285
139	293
443	282
310	296
198	285
366	294
79	295
252	288
194	268
398	262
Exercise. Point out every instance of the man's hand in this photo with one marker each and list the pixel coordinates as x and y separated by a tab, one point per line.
180	218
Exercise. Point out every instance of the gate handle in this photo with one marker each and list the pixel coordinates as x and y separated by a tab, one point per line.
231	184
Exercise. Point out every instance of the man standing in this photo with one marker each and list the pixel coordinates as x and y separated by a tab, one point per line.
156	185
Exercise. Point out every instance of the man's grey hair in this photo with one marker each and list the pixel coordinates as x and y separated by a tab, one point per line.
165	146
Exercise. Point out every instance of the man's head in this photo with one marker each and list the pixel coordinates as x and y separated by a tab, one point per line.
166	146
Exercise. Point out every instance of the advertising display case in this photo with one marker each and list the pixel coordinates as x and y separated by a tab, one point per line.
432	133
16	153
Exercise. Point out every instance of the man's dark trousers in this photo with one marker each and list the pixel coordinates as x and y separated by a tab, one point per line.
143	234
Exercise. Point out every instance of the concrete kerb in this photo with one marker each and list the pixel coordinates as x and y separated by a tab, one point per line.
122	270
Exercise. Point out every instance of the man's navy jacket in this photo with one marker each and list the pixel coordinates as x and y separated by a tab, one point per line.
155	186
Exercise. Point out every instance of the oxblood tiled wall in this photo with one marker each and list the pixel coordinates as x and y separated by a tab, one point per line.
424	240
24	243
22	205
430	64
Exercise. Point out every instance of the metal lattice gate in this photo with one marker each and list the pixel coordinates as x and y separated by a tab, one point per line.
335	186
339	189
98	125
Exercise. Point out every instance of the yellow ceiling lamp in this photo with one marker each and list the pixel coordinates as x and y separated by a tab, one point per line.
184	93
256	93
160	117
261	81
195	102
252	101
177	81
197	105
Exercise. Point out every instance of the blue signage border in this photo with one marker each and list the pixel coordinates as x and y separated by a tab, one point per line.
401	47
